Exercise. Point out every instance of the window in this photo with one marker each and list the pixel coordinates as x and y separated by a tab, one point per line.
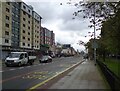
16	16
28	33
23	25
28	27
6	33
23	19
28	44
24	13
28	39
23	31
6	41
23	44
29	22
24	7
7	25
23	37
28	10
8	3
29	16
22	56
38	22
17	10
7	10
7	17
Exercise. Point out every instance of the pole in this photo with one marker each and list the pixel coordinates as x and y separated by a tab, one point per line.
94	36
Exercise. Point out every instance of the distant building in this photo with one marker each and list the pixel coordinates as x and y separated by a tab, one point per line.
47	37
42	36
68	50
66	46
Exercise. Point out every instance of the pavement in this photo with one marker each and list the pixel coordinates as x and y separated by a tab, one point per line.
84	76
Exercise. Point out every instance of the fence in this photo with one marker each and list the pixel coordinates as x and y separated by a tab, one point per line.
112	79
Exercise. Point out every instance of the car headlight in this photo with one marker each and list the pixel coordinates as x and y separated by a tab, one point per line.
15	60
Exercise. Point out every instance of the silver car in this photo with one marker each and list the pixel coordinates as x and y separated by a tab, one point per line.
45	59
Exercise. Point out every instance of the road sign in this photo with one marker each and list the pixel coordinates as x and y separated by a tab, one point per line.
94	45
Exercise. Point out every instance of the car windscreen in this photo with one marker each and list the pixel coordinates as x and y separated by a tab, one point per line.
14	55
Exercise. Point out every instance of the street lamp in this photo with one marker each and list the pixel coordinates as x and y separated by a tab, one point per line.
94	36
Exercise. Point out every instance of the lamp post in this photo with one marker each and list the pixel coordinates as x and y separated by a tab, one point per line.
94	36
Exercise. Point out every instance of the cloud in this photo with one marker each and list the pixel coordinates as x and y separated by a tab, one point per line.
54	12
58	18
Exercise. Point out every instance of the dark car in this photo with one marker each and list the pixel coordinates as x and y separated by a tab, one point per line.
45	59
85	56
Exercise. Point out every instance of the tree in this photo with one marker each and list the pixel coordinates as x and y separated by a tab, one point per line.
106	16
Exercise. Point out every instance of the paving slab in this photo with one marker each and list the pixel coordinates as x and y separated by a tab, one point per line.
84	76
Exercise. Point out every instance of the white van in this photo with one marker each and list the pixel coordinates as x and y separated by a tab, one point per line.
19	58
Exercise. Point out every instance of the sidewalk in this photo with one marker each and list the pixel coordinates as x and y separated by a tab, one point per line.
84	76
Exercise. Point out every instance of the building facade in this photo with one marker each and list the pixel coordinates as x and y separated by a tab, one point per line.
36	30
15	34
47	37
6	26
26	26
52	39
42	36
20	27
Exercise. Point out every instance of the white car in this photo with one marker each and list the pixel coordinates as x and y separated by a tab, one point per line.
45	59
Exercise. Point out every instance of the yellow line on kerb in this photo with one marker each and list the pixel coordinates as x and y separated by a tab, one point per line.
39	84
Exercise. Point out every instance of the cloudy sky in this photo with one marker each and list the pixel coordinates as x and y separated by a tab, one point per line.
58	18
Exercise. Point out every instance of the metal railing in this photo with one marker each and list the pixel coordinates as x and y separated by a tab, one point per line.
112	79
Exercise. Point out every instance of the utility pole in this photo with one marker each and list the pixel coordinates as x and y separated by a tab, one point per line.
94	35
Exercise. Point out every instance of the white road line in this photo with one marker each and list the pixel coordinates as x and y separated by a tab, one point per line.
11	69
21	67
28	66
34	65
1	71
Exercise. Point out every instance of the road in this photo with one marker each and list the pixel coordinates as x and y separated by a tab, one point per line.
26	77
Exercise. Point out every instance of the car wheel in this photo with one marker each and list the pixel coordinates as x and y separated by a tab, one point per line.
40	61
7	65
19	64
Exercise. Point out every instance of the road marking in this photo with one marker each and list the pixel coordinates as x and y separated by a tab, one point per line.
21	67
11	69
34	65
28	66
1	81
39	84
1	71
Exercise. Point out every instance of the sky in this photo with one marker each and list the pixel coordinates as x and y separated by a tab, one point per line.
58	18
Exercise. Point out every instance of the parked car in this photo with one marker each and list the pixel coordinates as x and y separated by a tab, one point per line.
19	58
85	56
45	59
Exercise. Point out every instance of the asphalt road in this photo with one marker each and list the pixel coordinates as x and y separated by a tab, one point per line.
26	77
